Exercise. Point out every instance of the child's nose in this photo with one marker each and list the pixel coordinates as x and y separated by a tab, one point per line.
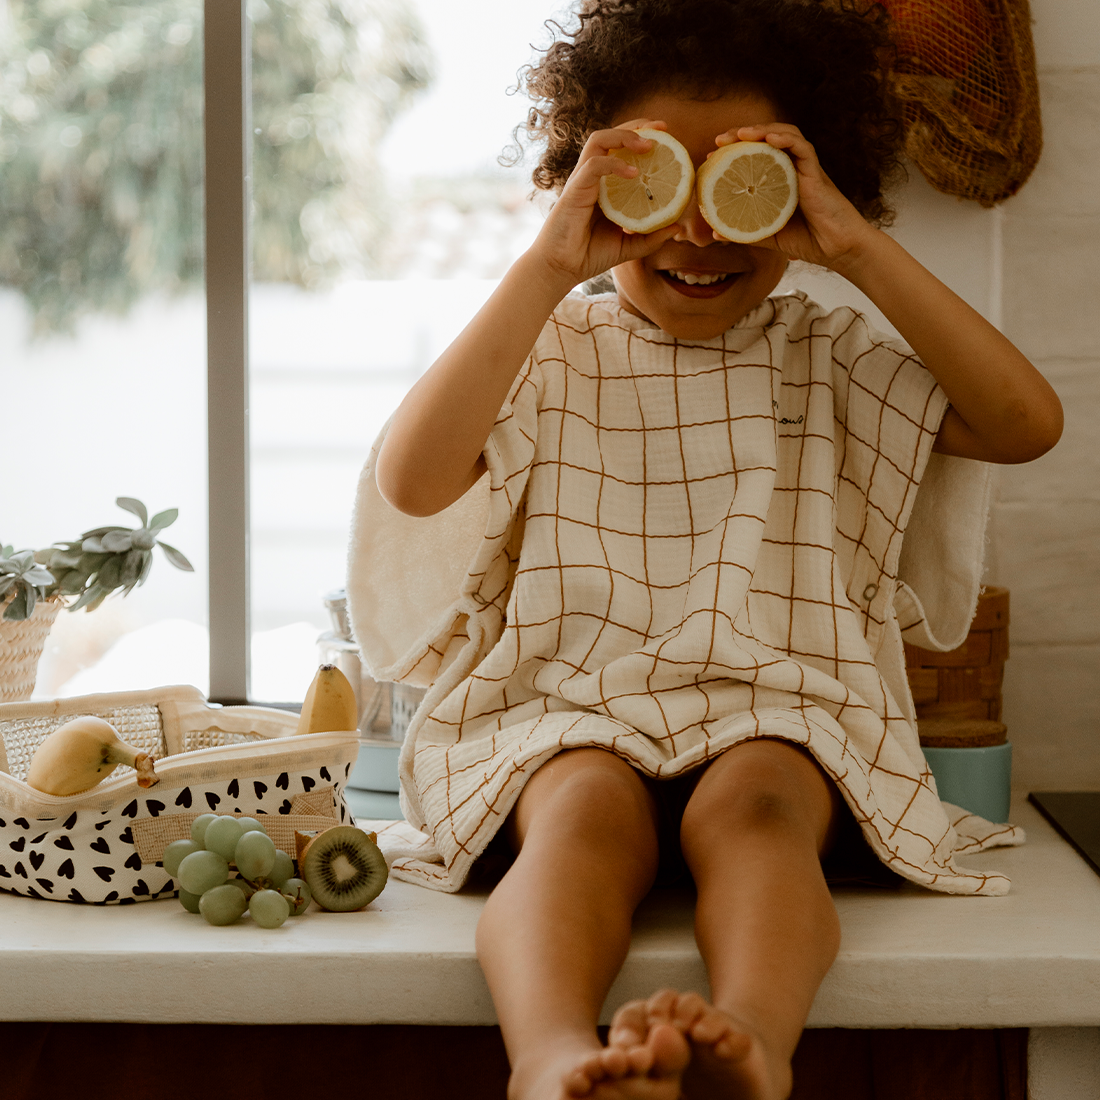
691	226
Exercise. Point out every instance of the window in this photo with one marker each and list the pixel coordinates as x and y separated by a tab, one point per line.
379	220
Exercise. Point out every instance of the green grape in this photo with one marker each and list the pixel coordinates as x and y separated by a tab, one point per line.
175	852
283	869
297	894
250	824
222	835
243	885
189	901
269	908
223	904
198	828
202	871
255	855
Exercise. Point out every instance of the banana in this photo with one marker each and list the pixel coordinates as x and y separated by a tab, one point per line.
77	755
329	704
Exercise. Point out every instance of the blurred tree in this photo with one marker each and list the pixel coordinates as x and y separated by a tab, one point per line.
101	107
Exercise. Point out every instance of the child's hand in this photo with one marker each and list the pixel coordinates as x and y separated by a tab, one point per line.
577	242
826	229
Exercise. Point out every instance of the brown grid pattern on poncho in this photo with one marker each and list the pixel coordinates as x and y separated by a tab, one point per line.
691	545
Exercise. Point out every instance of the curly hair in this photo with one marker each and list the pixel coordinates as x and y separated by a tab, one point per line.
821	62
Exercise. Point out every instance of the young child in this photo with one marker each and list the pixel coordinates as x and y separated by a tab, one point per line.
667	625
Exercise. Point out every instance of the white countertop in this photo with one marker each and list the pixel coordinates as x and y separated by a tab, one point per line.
909	958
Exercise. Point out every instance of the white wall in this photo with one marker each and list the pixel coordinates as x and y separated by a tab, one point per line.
1032	266
1046	524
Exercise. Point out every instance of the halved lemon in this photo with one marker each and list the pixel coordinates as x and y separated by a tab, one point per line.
747	191
657	195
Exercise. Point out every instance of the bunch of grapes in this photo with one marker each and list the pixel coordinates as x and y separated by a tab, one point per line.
264	884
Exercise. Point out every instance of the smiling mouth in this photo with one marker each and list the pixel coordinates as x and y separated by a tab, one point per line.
697	283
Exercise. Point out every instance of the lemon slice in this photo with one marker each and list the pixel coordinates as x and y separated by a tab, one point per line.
747	191
657	195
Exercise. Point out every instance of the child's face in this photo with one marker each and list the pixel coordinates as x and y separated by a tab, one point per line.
648	287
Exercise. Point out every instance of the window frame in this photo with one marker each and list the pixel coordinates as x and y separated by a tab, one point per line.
227	189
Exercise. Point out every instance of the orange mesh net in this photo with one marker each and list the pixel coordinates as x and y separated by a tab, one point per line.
965	78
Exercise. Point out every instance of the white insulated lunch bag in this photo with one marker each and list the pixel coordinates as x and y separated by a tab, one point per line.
104	845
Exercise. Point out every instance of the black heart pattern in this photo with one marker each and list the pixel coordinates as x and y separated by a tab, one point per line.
212	799
22	822
18	844
37	859
308	784
184	797
283	781
101	845
130	810
134	862
325	774
104	873
45	884
154	807
126	836
260	789
66	870
38	839
63	842
286	807
70	821
233	789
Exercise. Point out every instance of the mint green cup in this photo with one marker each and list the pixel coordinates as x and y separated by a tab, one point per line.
978	780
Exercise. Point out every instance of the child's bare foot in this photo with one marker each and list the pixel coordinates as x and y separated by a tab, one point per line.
649	1070
728	1061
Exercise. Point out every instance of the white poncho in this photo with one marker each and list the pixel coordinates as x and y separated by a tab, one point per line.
681	545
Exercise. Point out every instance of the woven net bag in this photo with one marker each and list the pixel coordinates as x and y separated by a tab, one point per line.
21	645
968	92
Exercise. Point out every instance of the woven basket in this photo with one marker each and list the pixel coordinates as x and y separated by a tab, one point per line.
21	645
105	845
964	683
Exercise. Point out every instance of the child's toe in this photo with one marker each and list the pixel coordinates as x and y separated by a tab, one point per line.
629	1026
661	1005
688	1010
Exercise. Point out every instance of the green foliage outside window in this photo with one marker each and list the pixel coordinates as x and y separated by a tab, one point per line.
101	107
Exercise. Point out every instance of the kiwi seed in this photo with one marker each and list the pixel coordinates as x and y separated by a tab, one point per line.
344	868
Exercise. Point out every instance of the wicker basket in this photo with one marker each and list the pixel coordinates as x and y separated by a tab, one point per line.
104	845
964	683
21	645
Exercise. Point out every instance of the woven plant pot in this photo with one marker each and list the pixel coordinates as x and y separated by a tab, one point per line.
21	645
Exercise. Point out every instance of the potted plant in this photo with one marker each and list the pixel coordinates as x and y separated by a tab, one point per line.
82	573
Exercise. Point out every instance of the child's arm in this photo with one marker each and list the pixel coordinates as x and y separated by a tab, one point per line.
1002	409
433	451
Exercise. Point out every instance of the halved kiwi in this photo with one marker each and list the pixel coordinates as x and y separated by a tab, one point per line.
344	868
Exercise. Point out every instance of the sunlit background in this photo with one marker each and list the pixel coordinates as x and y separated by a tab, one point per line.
382	219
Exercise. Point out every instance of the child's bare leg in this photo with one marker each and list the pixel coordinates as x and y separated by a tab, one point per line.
556	929
765	922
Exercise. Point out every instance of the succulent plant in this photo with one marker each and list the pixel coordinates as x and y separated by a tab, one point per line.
109	558
29	580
